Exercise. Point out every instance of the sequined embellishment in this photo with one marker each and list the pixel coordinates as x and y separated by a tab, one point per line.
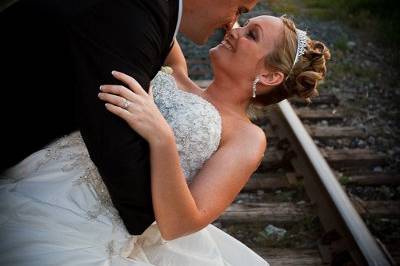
196	122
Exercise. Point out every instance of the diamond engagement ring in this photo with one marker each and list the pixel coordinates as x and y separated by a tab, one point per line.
126	104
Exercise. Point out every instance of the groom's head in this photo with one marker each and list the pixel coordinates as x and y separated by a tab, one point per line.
202	17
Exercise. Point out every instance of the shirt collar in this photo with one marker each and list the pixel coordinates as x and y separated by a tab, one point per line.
178	23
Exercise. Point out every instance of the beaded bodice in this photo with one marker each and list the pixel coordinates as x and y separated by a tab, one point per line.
196	122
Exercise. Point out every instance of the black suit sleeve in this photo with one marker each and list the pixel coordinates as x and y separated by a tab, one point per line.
129	36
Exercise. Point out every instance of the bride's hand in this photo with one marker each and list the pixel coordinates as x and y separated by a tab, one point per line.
136	107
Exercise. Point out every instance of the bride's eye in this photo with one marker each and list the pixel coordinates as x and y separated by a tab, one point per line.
251	35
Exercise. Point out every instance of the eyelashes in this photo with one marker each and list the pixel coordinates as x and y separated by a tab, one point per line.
251	35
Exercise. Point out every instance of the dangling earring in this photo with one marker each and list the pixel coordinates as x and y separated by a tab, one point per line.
255	86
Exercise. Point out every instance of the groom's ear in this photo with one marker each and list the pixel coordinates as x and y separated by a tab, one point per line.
272	78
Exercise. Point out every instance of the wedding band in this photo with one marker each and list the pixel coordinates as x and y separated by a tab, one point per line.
126	104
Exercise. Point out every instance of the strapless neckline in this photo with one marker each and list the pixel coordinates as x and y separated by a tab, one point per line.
195	121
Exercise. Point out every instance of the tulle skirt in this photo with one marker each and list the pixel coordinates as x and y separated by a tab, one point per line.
54	211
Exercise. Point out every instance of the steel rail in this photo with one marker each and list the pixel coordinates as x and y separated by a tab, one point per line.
334	208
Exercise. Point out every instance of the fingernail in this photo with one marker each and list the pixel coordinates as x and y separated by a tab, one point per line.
113	72
99	95
101	87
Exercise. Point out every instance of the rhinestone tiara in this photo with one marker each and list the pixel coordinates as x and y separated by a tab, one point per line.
301	48
301	45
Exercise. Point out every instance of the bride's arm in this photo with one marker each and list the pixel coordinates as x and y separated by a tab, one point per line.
181	209
176	60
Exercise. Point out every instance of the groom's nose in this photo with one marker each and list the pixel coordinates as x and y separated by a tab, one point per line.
234	22
230	26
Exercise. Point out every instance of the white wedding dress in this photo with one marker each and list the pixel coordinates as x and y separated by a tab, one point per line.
55	209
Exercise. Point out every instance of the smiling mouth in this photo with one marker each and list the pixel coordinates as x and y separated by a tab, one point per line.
227	45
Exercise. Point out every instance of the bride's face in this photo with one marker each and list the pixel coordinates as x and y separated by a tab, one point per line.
243	50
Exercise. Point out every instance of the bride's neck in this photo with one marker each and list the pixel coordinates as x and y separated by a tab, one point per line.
227	99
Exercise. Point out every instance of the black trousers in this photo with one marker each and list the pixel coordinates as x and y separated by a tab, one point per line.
54	55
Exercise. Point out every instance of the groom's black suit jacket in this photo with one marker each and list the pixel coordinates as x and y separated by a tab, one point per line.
54	56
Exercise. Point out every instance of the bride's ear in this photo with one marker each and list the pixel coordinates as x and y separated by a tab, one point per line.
271	79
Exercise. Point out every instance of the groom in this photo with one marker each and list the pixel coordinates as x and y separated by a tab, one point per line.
55	54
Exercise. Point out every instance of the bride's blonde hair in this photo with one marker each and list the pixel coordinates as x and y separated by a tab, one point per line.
301	79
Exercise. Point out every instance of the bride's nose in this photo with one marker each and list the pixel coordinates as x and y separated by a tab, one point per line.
234	33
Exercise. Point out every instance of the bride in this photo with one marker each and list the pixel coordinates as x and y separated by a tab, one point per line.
55	209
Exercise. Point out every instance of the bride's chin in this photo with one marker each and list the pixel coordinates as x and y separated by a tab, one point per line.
213	51
215	55
219	60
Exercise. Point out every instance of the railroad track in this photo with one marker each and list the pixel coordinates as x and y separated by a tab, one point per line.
295	210
318	218
296	189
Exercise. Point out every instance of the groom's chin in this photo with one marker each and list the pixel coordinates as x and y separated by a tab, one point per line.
203	41
198	38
